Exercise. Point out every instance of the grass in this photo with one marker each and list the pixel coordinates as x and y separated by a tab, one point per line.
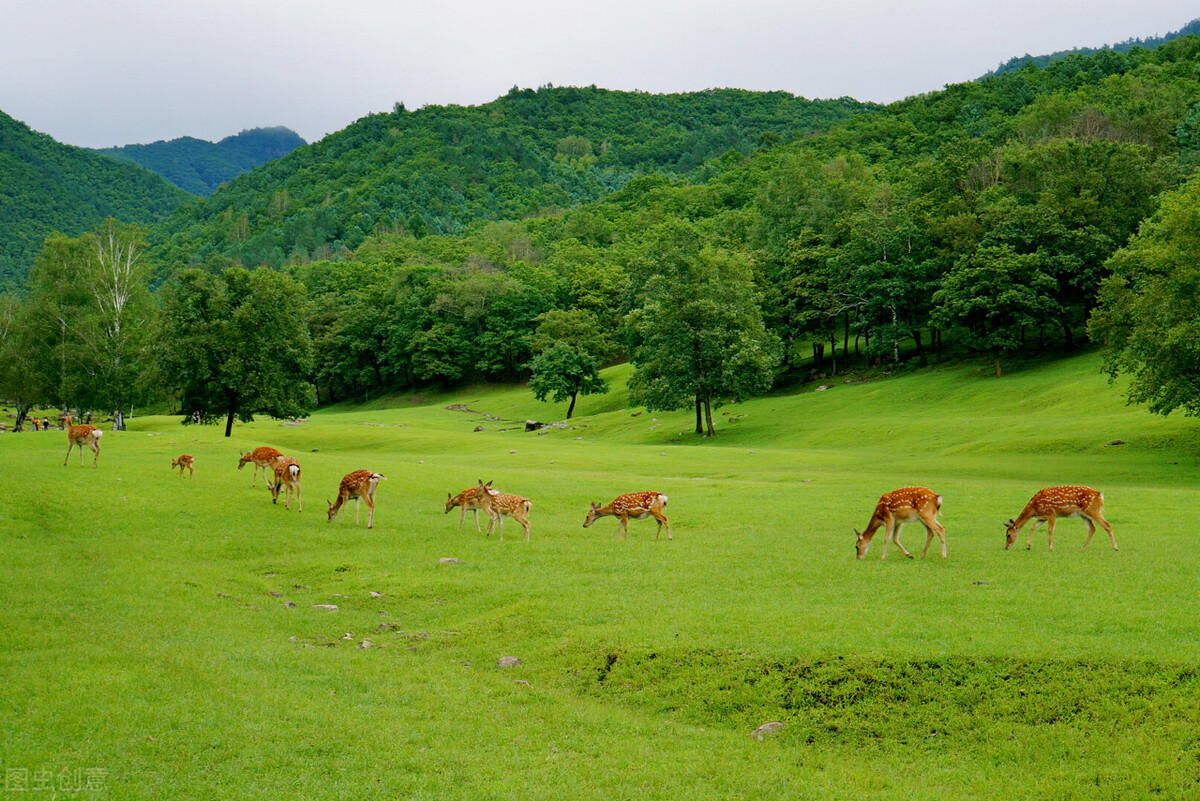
146	635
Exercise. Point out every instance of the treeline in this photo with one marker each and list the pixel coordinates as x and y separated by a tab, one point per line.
48	187
199	167
1148	43
993	216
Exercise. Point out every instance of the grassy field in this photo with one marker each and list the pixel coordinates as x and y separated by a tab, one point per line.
160	640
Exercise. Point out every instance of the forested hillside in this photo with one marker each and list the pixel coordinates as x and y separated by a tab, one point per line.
47	186
199	167
549	233
442	168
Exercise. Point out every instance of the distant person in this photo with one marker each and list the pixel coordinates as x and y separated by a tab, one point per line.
35	424
196	416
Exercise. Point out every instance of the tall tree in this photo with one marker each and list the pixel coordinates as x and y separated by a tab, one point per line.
1148	320
570	348
698	336
236	344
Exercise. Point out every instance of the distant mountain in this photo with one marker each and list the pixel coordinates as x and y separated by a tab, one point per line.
1017	62
47	186
199	166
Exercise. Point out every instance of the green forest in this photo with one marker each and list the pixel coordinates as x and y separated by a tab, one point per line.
723	242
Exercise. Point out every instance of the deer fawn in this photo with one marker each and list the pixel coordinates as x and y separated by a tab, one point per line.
1051	503
467	500
897	508
80	435
184	460
287	474
638	505
497	504
263	457
359	485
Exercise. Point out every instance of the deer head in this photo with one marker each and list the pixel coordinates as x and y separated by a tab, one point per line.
591	515
861	544
1010	533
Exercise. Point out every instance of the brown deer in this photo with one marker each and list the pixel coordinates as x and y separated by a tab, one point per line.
80	435
467	501
638	505
897	508
263	457
287	474
1051	503
496	504
359	485
184	460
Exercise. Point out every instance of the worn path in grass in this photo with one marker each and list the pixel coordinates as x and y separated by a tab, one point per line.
146	636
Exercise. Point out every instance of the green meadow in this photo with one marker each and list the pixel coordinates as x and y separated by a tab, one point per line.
160	634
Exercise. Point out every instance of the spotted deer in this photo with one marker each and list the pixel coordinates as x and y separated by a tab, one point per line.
898	507
80	435
287	474
263	457
638	505
359	486
467	501
496	504
1051	503
184	460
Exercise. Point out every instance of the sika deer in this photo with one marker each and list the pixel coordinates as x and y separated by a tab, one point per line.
359	486
1051	503
497	504
184	460
897	508
638	505
80	435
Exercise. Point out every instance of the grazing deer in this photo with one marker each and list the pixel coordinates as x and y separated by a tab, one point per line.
184	460
263	457
497	504
467	501
638	505
897	508
80	435
1051	503
359	485
287	474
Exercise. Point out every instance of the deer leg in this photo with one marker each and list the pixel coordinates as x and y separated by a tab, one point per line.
524	521
625	524
357	501
299	502
500	517
1029	539
68	456
896	538
463	517
662	521
1050	529
370	512
476	513
1091	530
888	525
1100	519
96	453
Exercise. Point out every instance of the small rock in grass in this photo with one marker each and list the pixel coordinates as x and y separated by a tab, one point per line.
366	644
274	594
507	662
450	560
326	607
766	729
376	594
290	605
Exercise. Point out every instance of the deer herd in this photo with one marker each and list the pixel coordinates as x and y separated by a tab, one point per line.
894	509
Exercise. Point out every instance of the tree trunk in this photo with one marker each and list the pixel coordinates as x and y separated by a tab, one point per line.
118	420
818	357
699	423
833	353
22	413
708	416
920	350
998	373
229	422
846	335
571	408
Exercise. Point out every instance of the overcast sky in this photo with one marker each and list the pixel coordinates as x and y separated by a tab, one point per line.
98	73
